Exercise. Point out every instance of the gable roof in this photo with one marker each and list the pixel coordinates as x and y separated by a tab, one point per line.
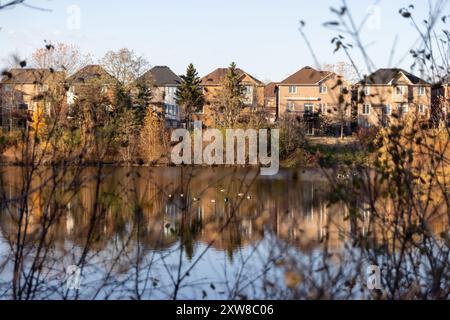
216	77
386	75
31	76
269	90
305	76
161	76
91	72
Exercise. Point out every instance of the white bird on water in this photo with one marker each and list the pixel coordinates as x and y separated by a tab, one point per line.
213	201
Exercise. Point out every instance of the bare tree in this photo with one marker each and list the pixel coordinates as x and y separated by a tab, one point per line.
60	57
125	65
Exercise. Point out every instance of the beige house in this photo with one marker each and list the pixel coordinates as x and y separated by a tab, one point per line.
317	96
90	80
390	94
23	91
441	103
212	83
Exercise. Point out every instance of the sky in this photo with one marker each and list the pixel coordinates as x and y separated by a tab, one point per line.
261	36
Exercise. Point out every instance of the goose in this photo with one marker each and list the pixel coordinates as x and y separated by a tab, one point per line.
213	201
240	195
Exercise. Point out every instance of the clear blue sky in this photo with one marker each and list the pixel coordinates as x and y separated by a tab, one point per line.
261	36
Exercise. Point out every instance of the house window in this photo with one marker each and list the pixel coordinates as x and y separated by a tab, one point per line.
387	109
421	91
199	109
43	88
23	106
344	90
366	91
323	107
399	90
7	88
366	109
292	89
403	108
323	89
309	108
421	108
290	106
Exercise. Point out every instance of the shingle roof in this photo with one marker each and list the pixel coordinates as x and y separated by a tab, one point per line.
269	90
161	76
89	73
216	77
30	76
305	76
385	76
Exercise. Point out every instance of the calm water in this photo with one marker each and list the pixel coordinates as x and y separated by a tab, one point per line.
155	233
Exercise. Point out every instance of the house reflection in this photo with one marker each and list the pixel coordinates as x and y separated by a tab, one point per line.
158	208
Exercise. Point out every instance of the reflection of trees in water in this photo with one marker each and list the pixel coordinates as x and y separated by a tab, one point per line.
145	219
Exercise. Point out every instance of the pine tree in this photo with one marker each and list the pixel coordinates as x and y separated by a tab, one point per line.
142	101
228	102
189	95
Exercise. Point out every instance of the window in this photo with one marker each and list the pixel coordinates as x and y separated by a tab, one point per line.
403	108
366	109
309	108
323	89
387	109
43	88
292	89
290	106
323	107
344	90
366	91
399	90
23	106
421	91
421	108
7	88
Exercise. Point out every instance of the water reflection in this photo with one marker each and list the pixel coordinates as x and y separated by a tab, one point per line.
130	215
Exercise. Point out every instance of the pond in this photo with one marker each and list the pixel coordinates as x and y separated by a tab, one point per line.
165	233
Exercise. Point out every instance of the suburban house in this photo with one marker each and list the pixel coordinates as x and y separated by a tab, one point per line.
91	78
441	103
213	82
319	97
26	90
164	83
390	95
271	101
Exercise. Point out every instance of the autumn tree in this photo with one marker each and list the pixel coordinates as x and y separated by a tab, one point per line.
60	57
228	102
152	139
125	65
189	94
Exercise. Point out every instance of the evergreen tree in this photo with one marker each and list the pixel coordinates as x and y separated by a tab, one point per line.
142	101
189	95
228	102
